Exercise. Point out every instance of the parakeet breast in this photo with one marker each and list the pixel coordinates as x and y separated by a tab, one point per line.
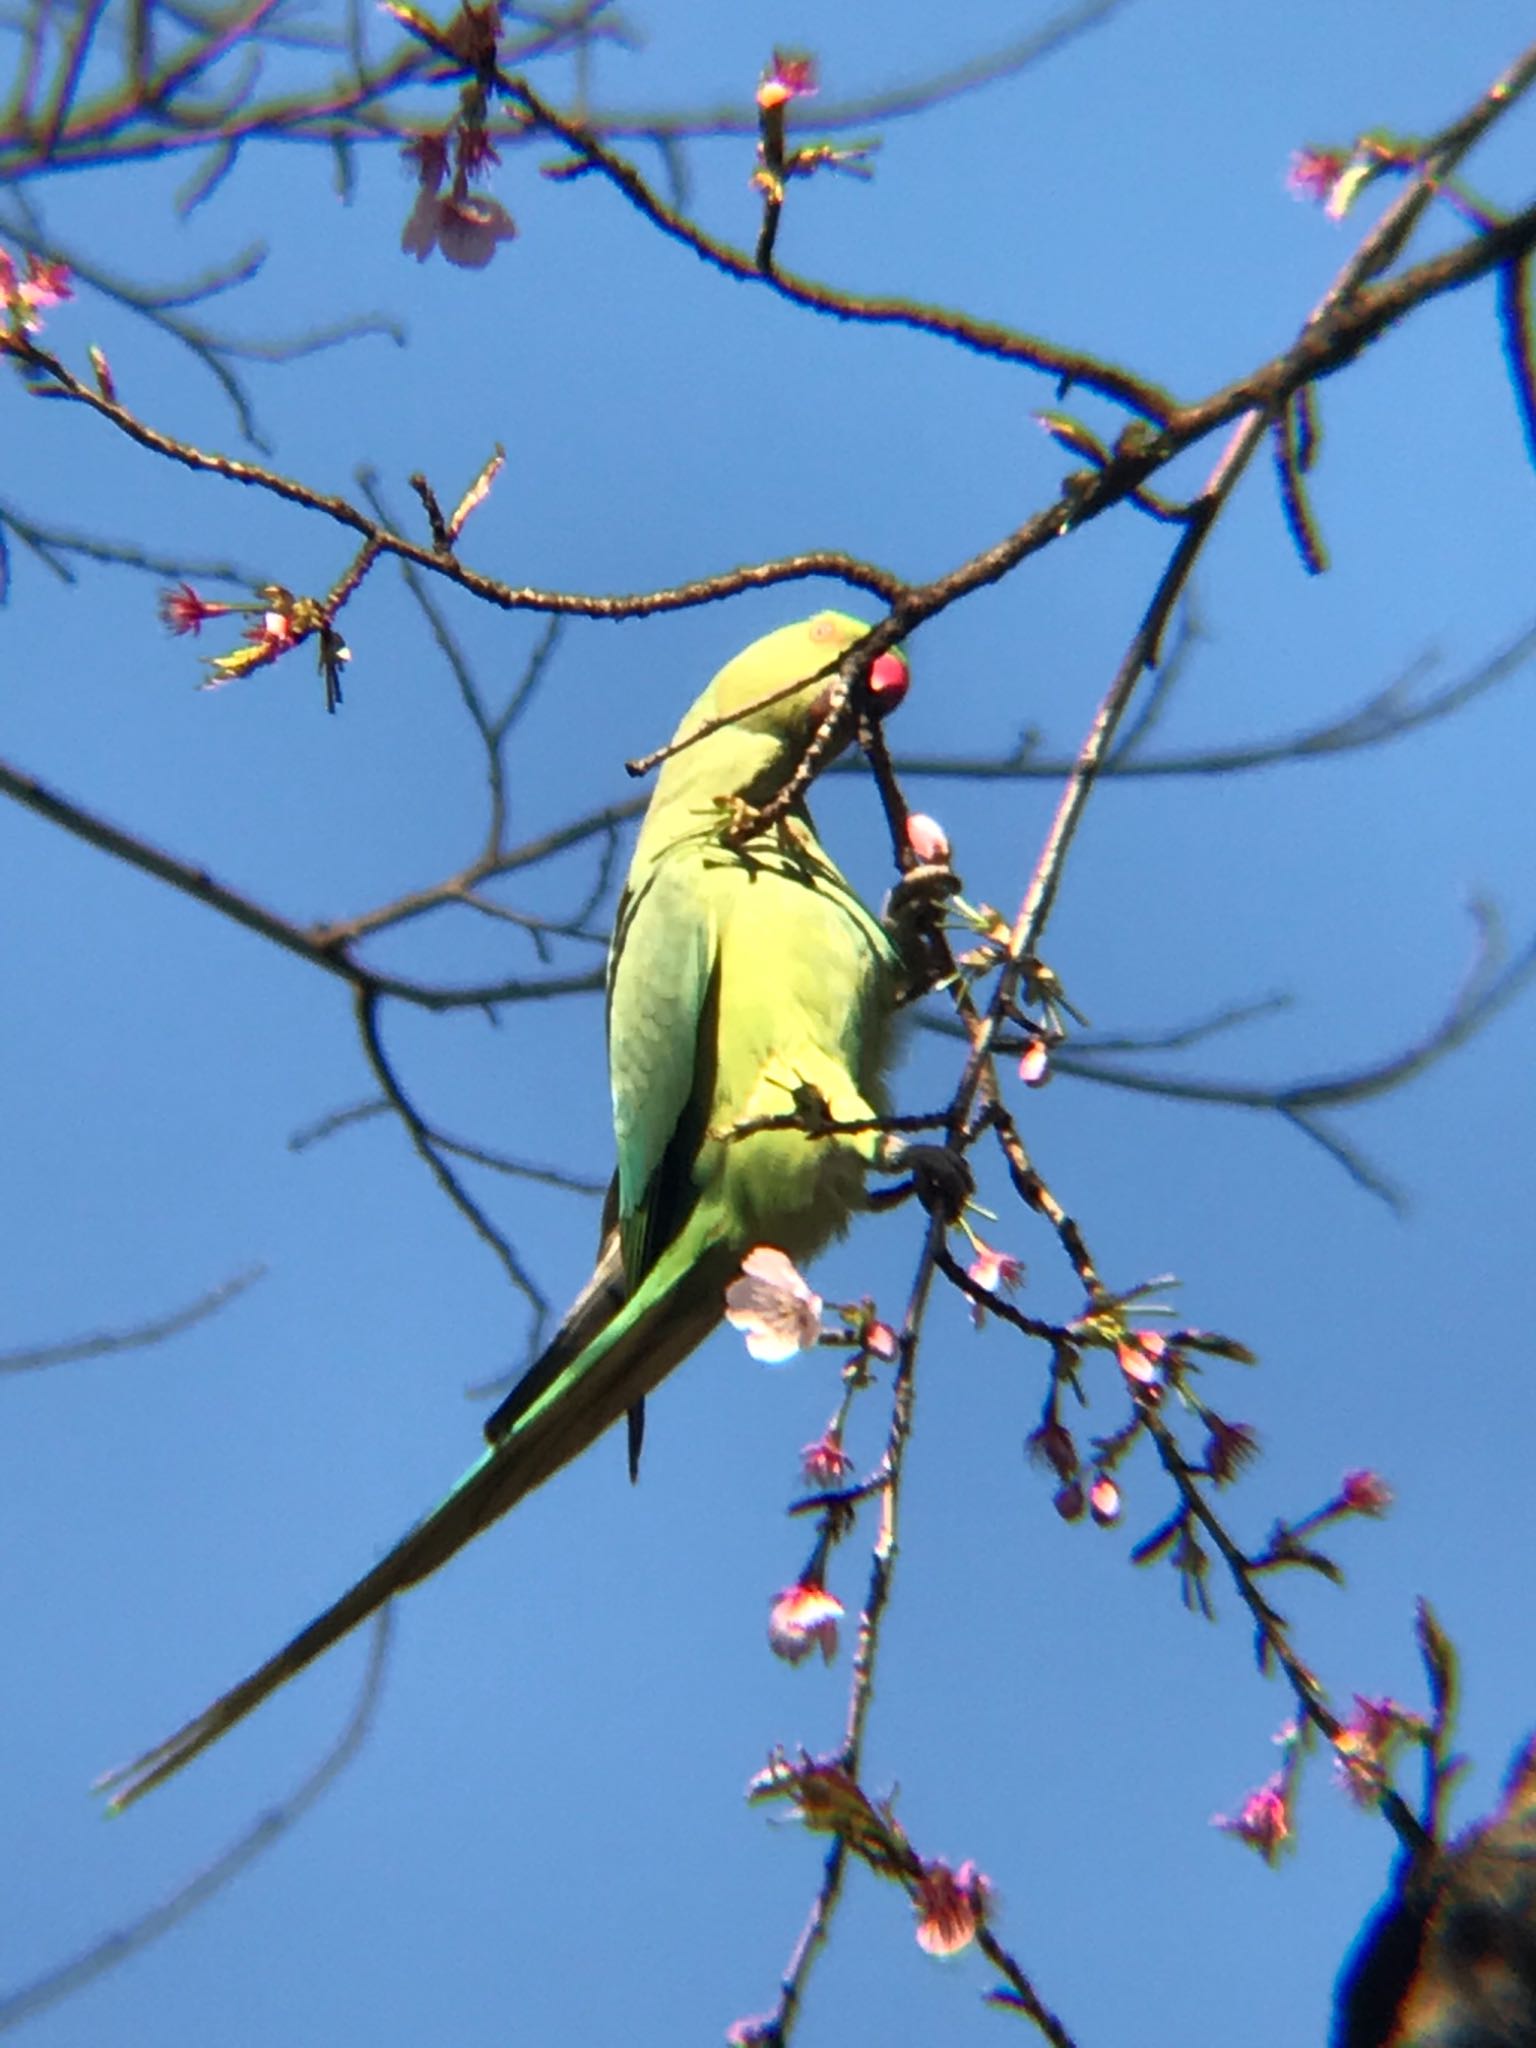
803	977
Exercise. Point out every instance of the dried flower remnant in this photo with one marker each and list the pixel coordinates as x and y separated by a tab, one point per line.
1228	1447
1051	1444
1264	1821
474	151
428	156
184	610
951	1905
791	76
1070	1500
804	1618
825	1463
774	1307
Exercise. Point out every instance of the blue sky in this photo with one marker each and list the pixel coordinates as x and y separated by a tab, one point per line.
545	1836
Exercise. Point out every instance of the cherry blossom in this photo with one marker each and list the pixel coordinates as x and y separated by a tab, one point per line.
773	1306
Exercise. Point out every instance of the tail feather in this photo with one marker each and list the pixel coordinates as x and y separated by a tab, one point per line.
564	1411
583	1322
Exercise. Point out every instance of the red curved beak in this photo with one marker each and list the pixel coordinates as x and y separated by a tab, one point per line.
888	680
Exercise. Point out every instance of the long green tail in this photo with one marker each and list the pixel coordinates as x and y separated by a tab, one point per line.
675	1308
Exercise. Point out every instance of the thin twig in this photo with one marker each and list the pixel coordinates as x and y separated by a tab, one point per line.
137	1337
65	1979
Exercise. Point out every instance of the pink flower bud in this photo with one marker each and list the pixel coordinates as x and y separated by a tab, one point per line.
1365	1493
1104	1500
927	839
880	1342
1141	1354
1035	1066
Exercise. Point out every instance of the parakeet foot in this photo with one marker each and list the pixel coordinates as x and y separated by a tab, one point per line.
914	916
938	1175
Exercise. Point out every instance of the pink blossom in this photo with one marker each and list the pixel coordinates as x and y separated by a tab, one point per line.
465	226
804	1618
951	1905
998	1272
1264	1822
1228	1447
474	150
773	1306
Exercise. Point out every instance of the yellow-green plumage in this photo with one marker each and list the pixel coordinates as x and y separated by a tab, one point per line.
739	977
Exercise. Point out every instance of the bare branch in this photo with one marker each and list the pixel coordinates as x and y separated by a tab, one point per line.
65	1979
137	1337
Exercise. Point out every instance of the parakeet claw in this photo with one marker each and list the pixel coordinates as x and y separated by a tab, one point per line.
921	893
914	915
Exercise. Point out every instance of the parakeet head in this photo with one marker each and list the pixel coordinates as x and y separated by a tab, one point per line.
808	651
742	739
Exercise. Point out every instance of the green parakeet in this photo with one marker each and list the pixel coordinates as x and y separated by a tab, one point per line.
740	977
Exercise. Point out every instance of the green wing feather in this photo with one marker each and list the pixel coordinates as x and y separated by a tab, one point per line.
737	977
